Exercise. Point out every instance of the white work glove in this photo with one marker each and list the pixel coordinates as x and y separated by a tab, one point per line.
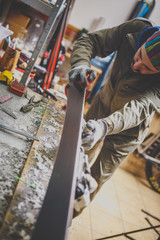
89	186
78	75
93	132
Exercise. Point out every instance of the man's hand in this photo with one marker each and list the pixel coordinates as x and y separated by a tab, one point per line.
93	132
78	75
85	184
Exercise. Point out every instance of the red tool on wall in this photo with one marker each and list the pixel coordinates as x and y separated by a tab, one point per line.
55	16
55	54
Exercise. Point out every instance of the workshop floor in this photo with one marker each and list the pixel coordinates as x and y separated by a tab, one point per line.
118	209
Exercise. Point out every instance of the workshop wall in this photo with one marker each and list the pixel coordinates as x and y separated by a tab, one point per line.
107	13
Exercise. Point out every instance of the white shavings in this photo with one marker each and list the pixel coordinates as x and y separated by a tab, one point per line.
4	154
26	238
53	122
30	218
21	205
23	127
48	161
54	114
50	128
36	172
49	139
56	143
36	147
41	157
43	138
22	233
40	166
48	145
38	156
37	205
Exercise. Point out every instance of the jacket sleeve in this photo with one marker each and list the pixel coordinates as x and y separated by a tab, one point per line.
103	42
134	112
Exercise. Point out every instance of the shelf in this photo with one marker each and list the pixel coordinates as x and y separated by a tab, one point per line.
39	6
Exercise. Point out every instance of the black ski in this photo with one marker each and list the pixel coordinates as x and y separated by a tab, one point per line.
57	208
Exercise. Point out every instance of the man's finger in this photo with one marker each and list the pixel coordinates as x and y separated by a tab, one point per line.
92	75
83	78
90	125
72	76
87	139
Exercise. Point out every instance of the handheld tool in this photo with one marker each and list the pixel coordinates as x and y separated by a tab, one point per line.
9	112
50	93
28	106
4	109
18	132
31	103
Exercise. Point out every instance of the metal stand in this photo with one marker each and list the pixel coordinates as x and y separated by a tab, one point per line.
138	230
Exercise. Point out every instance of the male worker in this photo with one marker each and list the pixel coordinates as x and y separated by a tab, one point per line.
122	110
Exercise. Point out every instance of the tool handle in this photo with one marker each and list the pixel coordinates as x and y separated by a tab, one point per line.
18	132
8	112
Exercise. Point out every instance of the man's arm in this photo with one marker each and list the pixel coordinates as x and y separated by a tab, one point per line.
131	115
134	112
99	43
103	42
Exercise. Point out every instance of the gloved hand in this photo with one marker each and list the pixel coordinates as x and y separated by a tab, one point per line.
83	124
78	75
93	132
85	184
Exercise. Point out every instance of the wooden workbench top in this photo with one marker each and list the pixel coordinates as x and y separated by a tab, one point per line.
31	161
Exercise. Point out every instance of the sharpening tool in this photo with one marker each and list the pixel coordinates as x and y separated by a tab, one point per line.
9	112
18	132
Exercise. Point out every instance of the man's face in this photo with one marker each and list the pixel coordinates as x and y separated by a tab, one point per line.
141	62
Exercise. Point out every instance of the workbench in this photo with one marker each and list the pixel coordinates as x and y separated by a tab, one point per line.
26	165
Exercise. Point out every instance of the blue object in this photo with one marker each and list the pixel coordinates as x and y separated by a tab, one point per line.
101	63
143	10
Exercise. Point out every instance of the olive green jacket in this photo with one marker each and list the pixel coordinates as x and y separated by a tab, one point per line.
128	100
